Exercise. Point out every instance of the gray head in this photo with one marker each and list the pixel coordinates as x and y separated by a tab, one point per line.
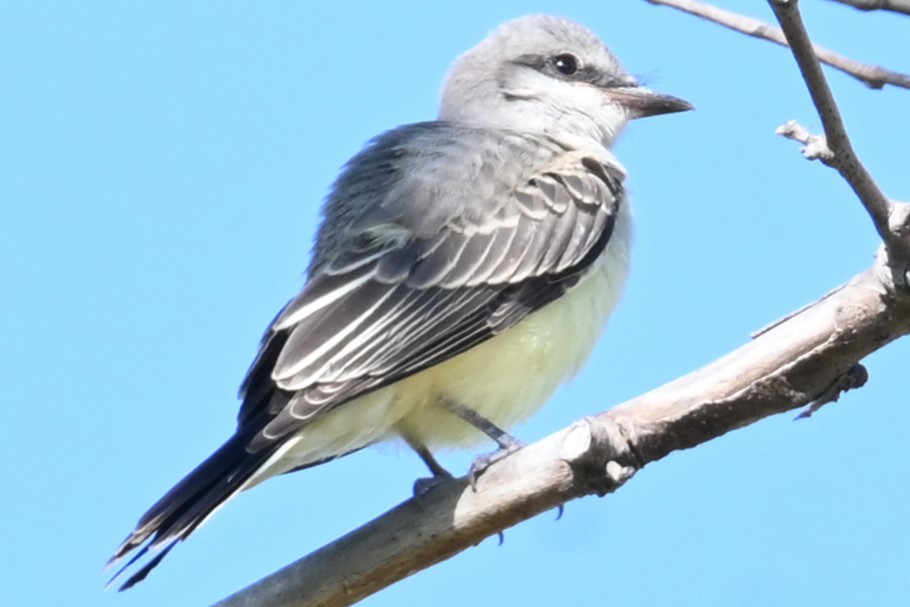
548	75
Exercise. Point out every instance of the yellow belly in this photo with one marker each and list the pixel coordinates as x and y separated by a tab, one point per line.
511	376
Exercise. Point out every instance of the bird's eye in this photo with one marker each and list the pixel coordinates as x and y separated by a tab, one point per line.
565	64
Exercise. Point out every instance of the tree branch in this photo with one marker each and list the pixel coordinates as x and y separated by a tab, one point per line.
871	75
891	219
810	356
897	6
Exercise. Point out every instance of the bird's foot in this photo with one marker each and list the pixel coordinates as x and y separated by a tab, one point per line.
507	445
424	485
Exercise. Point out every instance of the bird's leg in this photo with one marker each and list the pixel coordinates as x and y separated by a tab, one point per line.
422	485
507	443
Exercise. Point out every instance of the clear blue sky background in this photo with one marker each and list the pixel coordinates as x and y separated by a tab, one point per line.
161	170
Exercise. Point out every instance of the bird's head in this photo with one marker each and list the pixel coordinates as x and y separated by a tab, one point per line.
548	75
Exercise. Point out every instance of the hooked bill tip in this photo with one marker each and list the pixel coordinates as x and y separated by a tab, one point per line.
643	102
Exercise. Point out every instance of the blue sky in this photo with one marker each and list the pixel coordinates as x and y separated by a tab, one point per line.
161	170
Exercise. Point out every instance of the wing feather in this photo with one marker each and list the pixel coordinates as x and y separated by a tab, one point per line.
498	251
432	269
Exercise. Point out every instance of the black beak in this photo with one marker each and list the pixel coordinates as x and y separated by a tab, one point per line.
642	102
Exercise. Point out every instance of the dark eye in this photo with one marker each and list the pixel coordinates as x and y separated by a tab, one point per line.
565	64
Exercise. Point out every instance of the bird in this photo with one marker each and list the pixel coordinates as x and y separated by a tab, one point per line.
463	269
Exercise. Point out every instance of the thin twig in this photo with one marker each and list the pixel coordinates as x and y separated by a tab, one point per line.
897	6
871	75
815	147
882	210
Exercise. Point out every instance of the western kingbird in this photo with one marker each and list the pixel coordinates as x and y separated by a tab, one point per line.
463	269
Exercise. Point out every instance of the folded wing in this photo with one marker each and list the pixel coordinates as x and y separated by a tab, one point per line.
441	238
432	271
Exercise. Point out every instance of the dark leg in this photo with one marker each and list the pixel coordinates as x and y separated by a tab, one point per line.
422	485
435	467
502	438
507	443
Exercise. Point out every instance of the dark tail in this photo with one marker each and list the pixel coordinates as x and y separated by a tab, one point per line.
176	515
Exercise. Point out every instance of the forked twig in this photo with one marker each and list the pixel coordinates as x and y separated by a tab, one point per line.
890	217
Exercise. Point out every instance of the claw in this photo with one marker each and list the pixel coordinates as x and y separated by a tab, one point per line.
482	462
424	485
